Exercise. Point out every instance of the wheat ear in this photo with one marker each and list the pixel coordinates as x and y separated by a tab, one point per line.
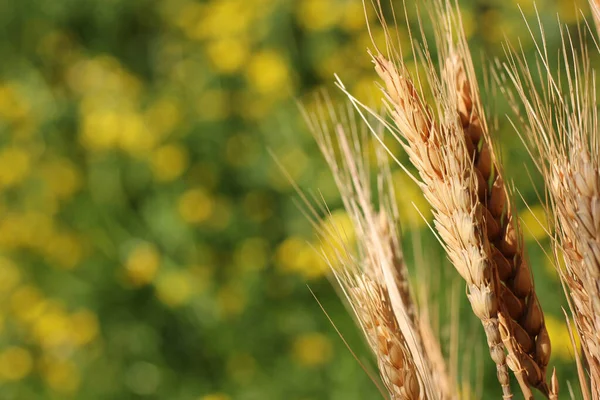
442	162
517	292
561	125
374	278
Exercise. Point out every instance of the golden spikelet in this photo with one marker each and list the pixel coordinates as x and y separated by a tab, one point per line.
374	276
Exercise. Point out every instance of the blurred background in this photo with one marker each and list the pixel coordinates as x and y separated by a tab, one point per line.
149	245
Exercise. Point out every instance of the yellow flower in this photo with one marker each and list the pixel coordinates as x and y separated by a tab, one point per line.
15	164
268	73
221	214
100	130
13	107
312	349
52	329
64	250
134	137
84	327
163	116
561	341
353	16
213	105
169	162
61	178
195	206
9	275
174	288
411	202
142	263
295	255
61	375
535	225
27	303
318	15
228	55
15	363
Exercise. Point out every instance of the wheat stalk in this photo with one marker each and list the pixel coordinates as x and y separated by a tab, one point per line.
562	135
374	280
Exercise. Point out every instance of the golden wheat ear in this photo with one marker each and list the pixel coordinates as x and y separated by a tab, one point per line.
461	178
372	273
559	125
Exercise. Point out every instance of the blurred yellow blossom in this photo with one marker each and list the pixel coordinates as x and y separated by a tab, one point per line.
163	116
268	73
212	105
52	329
9	276
195	206
353	17
318	15
552	263
228	55
61	177
413	207
169	162
133	134
535	225
61	375
101	78
312	349
295	255
142	264
27	303
173	288
13	106
63	250
221	215
84	327
223	18
15	164
100	130
561	341
15	363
